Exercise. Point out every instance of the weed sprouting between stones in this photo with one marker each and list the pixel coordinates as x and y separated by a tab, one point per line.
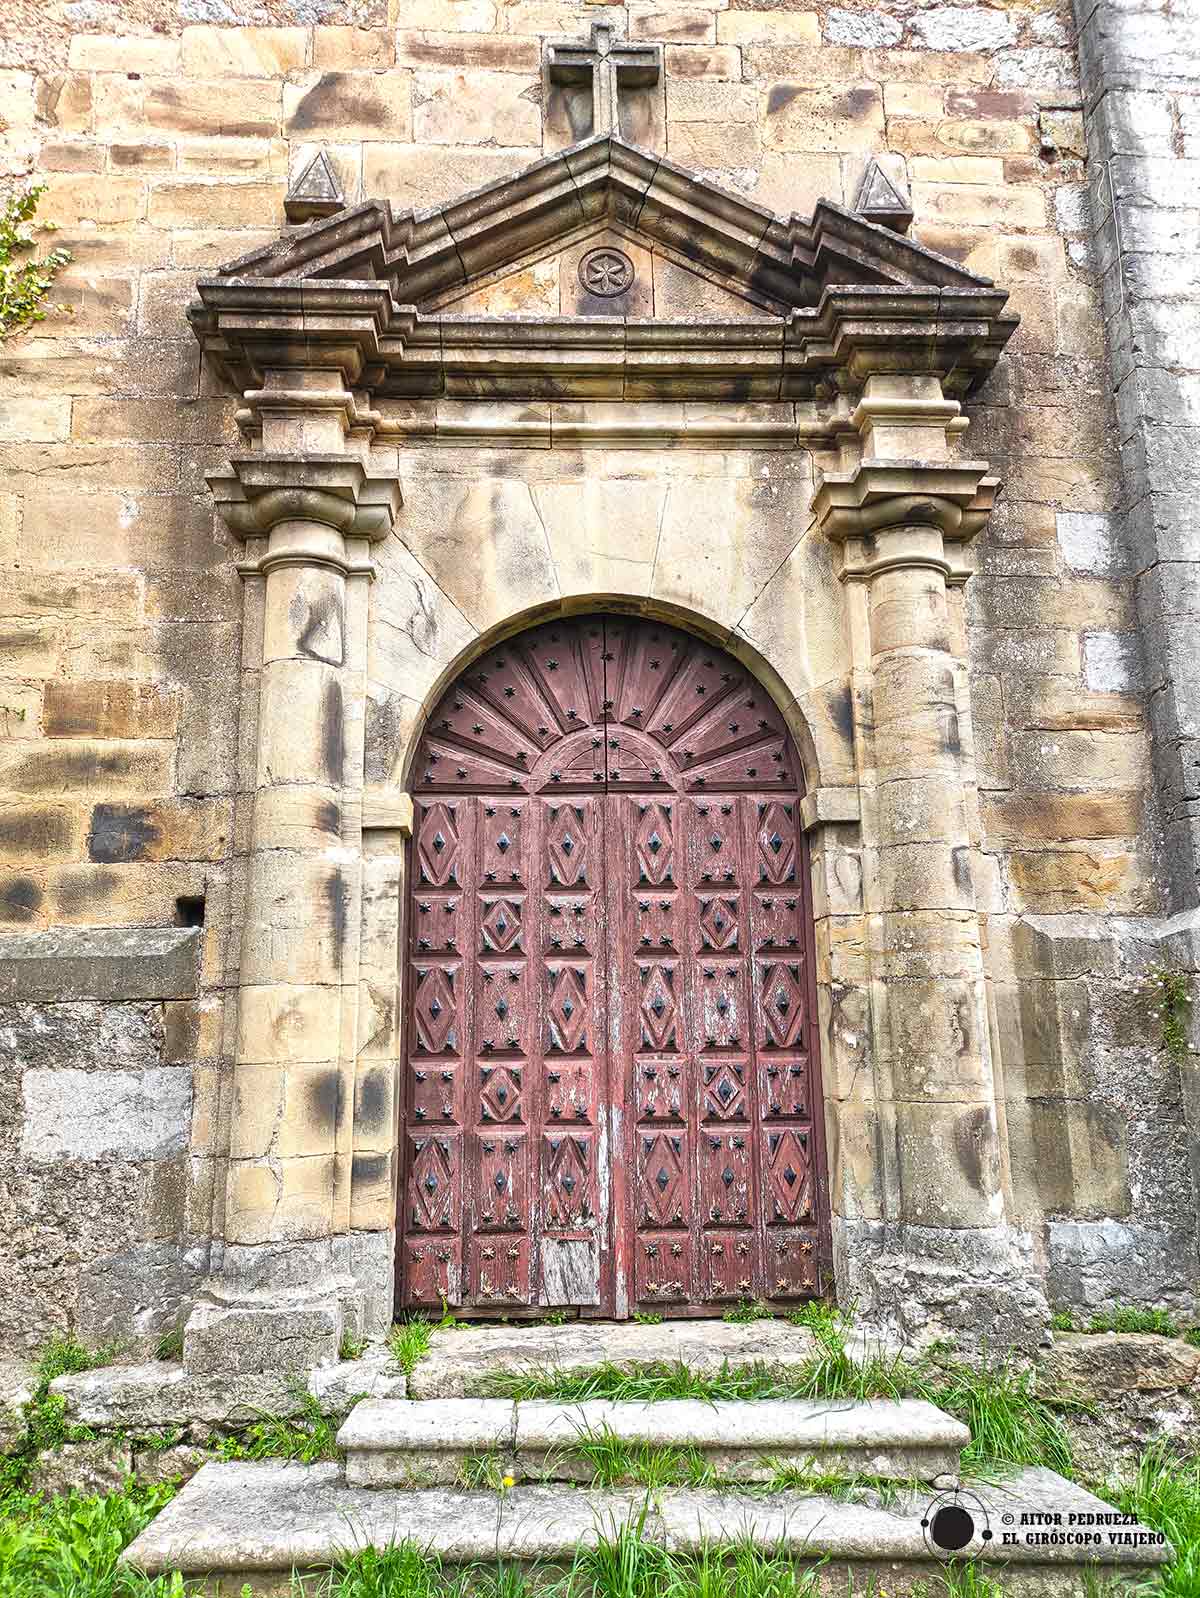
45	1414
410	1342
614	1461
310	1437
746	1311
1164	1493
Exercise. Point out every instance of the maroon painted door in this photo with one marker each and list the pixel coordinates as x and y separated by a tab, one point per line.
611	1096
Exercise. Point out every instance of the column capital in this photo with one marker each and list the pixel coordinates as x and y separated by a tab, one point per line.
885	514
318	503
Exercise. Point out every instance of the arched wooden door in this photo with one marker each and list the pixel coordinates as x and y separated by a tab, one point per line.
611	1092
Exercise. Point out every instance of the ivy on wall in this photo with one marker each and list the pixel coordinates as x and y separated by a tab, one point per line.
25	277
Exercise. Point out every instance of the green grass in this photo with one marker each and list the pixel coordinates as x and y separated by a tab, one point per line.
647	1317
614	1462
1132	1319
746	1311
68	1547
828	1374
820	1317
1192	1338
409	1343
307	1439
1165	1493
840	1485
170	1344
1011	1423
1062	1321
45	1414
484	1472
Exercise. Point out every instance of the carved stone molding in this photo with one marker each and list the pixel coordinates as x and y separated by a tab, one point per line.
833	299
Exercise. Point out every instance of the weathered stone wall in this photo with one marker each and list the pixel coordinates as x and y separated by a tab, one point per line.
167	144
101	1043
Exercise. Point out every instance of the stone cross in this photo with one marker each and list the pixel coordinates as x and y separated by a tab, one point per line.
608	67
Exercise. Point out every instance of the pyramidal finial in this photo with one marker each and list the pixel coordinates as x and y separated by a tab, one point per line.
315	192
881	198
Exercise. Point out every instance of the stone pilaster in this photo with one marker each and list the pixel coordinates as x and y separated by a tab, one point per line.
284	1284
942	1259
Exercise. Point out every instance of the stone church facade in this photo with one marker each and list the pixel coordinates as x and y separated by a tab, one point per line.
596	700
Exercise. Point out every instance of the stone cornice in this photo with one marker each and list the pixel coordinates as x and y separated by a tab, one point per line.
248	326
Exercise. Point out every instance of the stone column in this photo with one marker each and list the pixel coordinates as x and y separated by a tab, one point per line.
943	1261
282	1291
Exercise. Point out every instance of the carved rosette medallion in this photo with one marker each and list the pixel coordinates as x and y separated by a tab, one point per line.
606	272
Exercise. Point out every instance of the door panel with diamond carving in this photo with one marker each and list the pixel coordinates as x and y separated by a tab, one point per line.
612	1098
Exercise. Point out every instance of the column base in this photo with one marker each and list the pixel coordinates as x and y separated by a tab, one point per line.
978	1289
285	1307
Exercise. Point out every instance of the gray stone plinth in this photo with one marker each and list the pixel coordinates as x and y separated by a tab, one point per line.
255	1523
103	1466
459	1361
16	1389
112	963
126	1397
253	1339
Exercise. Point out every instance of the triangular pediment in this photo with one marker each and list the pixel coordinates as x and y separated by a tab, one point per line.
516	246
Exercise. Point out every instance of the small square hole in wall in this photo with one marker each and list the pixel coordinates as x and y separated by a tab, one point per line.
189	910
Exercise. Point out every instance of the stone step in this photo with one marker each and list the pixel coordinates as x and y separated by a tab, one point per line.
461	1359
254	1524
414	1444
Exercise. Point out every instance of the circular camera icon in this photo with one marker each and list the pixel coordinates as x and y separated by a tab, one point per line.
953	1521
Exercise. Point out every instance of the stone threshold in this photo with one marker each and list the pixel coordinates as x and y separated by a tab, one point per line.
252	1525
400	1443
461	1358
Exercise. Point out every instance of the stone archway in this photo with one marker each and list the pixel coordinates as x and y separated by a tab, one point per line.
611	1093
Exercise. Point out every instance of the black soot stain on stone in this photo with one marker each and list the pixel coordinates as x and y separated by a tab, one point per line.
332	103
335	895
320	638
329	817
333	732
120	833
971	1134
960	860
20	898
367	1169
841	711
781	96
325	1098
951	740
372	1100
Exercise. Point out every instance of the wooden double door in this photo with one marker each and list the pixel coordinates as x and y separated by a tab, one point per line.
611	1095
